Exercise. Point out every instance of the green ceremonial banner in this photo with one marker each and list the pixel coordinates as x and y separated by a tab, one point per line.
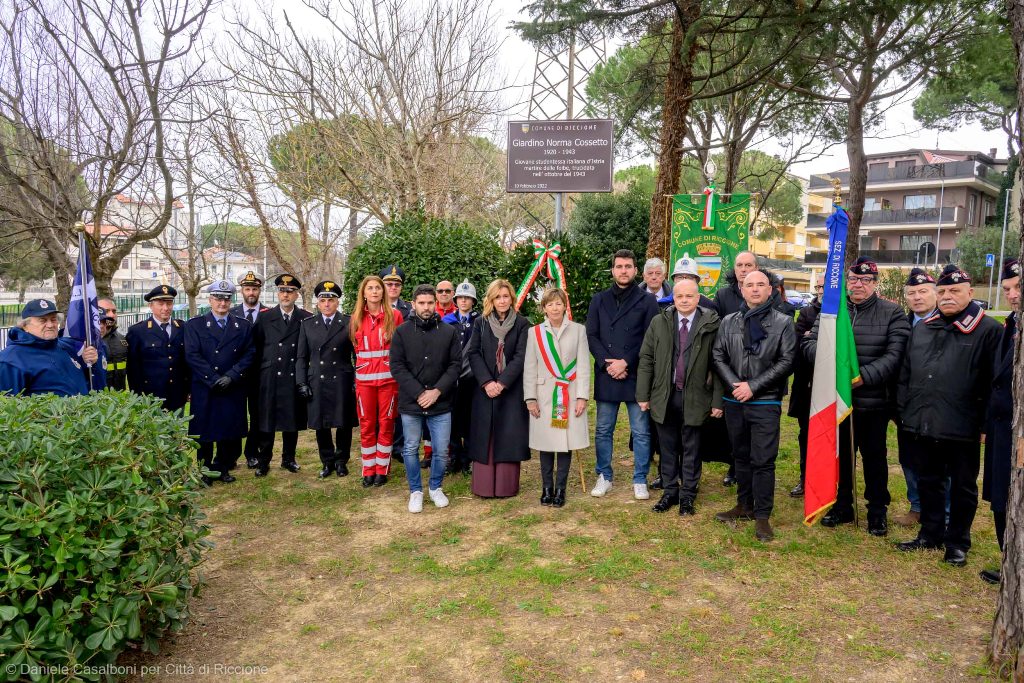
715	243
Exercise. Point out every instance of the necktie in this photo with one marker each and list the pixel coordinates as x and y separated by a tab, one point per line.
251	316
286	318
327	321
222	322
684	337
167	330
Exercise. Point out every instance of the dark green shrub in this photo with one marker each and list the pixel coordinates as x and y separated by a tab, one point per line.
429	250
100	528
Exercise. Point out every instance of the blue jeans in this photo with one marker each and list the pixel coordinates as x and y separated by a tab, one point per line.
440	427
607	414
913	497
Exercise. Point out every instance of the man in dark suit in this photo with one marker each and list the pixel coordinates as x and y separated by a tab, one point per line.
279	408
616	323
219	350
156	352
326	378
251	309
999	433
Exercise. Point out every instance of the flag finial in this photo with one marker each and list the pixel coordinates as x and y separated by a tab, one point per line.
837	195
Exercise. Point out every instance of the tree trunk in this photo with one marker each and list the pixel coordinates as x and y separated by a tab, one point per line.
353	230
1008	625
858	176
678	89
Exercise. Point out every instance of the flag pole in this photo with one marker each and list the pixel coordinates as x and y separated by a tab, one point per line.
86	316
853	474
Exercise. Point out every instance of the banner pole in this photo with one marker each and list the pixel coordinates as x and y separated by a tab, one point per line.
85	296
668	233
853	475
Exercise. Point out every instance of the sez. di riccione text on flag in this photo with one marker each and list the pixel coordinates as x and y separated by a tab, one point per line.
835	371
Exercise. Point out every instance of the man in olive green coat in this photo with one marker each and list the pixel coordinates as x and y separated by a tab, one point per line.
677	383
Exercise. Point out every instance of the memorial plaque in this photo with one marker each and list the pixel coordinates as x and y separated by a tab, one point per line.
560	156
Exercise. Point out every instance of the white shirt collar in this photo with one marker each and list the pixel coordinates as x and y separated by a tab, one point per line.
689	319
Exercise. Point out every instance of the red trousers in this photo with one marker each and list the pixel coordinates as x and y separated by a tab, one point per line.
376	407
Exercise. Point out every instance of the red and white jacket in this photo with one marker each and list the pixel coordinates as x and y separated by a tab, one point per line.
373	365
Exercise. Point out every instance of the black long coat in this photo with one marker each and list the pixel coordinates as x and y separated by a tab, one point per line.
999	432
803	369
212	353
156	363
324	361
505	417
618	332
279	407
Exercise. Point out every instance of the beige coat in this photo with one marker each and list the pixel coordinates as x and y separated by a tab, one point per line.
538	384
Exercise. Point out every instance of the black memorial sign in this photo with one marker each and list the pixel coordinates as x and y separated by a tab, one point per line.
560	156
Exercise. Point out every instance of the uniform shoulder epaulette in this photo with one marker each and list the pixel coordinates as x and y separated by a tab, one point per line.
149	324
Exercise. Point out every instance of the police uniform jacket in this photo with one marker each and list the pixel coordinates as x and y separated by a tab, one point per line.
324	361
156	363
279	407
999	432
117	359
252	377
946	379
212	353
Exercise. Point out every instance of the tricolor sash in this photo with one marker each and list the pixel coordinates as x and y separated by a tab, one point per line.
563	375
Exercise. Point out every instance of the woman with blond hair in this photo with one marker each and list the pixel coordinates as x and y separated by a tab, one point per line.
371	329
498	434
556	386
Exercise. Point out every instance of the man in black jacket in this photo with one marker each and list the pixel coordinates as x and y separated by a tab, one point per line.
803	373
880	332
753	355
944	389
251	286
426	358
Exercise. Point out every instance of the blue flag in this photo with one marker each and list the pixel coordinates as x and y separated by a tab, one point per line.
83	319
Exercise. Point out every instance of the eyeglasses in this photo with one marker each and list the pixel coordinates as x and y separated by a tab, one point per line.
445	291
863	280
819	287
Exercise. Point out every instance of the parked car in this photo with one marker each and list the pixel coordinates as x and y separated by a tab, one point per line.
981	302
795	298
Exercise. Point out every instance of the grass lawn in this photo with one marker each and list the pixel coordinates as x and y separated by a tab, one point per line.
329	581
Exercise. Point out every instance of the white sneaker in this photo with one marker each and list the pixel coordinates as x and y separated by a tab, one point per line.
416	501
602	487
640	492
437	495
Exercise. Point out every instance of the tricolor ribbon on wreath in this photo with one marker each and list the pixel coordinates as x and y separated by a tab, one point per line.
563	374
544	255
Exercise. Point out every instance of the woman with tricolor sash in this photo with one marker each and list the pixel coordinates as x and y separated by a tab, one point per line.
556	386
498	433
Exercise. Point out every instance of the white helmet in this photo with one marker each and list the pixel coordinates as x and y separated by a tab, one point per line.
466	289
686	266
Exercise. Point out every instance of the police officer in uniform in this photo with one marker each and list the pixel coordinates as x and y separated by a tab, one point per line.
219	350
251	309
279	408
156	351
326	378
394	278
117	353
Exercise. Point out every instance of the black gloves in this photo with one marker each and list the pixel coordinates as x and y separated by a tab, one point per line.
222	384
305	392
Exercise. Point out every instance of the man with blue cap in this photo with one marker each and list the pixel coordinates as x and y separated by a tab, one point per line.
219	351
37	361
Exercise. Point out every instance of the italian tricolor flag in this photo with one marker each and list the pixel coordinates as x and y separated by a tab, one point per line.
835	371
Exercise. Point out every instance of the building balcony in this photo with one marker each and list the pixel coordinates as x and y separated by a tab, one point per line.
889	257
951	216
965	172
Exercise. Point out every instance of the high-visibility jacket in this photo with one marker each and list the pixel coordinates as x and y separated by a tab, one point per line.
373	365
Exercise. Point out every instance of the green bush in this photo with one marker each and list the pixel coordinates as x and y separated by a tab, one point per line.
429	250
100	528
607	222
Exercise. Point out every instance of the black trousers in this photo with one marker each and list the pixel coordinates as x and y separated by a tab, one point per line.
462	411
801	438
1000	520
253	438
289	440
754	432
937	459
334	448
547	466
869	428
227	454
680	451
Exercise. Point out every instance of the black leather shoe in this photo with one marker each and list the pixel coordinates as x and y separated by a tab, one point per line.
728	480
290	465
686	508
836	517
226	478
656	484
667	502
262	471
327	471
992	576
797	491
380	479
558	500
252	463
206	481
341	468
546	496
368	480
878	526
917	544
955	557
